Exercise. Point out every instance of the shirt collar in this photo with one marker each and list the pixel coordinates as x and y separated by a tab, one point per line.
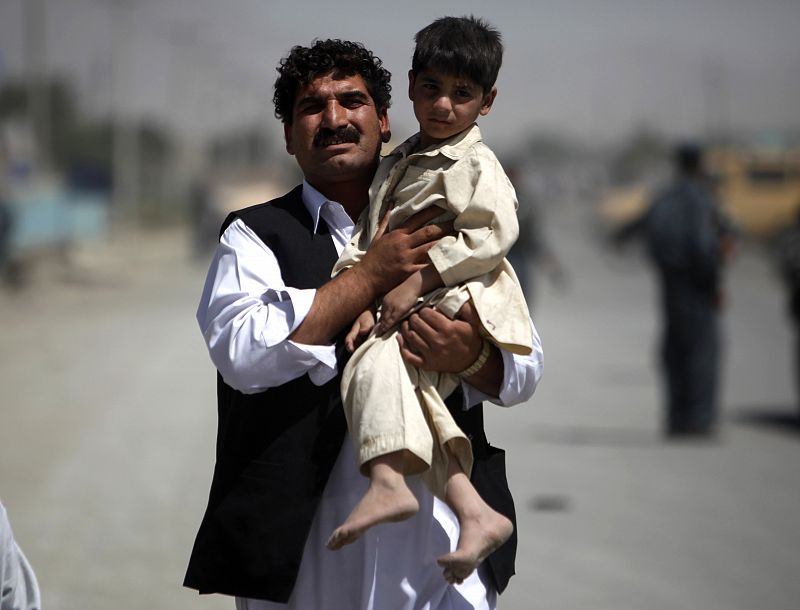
316	202
313	200
453	148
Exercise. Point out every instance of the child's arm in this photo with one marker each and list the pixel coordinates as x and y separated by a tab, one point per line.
361	328
399	301
484	202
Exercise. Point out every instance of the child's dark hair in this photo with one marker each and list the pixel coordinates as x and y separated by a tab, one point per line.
462	46
304	64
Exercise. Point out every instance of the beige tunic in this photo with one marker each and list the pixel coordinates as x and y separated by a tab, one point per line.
381	393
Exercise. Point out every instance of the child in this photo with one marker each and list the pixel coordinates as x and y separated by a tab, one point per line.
396	413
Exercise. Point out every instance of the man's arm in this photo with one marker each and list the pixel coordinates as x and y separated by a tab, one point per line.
248	315
390	259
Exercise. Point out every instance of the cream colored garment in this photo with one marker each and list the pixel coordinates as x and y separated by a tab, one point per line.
391	406
465	179
381	393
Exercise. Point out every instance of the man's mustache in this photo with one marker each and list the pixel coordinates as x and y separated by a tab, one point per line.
340	135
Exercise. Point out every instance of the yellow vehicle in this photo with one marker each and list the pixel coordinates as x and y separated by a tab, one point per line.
759	190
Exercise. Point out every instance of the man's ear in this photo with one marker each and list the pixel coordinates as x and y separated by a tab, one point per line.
488	100
411	85
386	130
287	136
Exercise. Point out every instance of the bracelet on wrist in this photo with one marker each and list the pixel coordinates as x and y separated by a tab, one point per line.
476	366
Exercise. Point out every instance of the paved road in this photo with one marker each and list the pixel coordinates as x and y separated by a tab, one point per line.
611	517
106	441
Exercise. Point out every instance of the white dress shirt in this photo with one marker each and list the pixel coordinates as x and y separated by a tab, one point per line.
246	315
19	589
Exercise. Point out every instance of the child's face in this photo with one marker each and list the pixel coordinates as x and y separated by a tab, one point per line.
444	104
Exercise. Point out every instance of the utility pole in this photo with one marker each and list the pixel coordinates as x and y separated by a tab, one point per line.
125	161
715	101
37	85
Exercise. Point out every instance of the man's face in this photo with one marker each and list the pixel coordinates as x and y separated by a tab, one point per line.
336	131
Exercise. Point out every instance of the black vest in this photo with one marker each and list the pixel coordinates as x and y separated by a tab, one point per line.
276	449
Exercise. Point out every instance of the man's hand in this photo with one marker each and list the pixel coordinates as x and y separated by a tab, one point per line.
390	259
394	256
431	341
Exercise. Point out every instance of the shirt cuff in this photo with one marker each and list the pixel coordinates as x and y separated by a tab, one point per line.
324	357
514	388
294	304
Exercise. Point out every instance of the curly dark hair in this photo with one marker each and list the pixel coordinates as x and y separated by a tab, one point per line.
304	64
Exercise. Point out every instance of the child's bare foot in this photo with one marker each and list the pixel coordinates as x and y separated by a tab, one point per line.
384	501
481	535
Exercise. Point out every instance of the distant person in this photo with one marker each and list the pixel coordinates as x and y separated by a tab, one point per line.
532	253
787	253
396	413
203	218
689	240
18	587
6	225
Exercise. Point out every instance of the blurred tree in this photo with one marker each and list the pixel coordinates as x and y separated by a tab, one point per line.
242	149
157	153
643	154
88	157
13	100
549	149
15	104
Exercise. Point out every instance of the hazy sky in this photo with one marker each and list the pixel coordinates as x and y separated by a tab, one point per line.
588	68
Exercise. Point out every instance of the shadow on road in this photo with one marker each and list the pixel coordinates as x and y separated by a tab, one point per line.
550	503
783	419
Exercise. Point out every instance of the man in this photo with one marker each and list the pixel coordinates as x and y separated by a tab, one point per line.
6	227
688	239
271	315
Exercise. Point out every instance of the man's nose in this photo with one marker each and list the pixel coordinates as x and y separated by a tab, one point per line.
334	115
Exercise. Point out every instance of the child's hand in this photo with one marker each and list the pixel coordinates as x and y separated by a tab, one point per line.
396	304
359	331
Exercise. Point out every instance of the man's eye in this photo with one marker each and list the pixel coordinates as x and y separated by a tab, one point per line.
309	108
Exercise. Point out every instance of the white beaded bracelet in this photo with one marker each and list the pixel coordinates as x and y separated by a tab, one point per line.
479	362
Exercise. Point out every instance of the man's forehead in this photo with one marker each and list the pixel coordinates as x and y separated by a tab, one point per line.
333	83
